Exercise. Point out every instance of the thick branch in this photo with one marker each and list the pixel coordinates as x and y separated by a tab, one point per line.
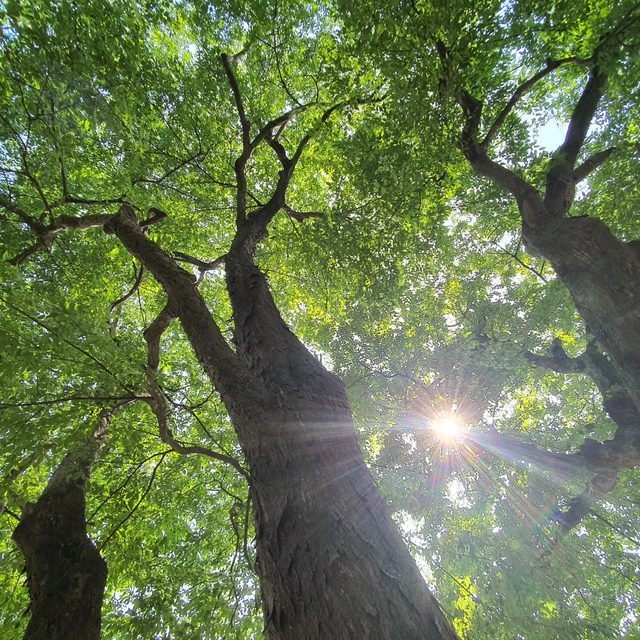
301	216
559	361
46	234
563	465
521	90
249	145
270	133
230	378
237	96
88	202
153	333
278	123
240	165
76	465
23	256
527	197
203	265
604	459
6	204
602	372
261	218
592	163
279	149
582	116
472	109
579	506
560	187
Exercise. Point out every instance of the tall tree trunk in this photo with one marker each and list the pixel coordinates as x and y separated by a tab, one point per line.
330	559
603	276
66	575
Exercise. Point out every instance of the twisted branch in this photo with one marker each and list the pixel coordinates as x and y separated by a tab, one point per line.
157	401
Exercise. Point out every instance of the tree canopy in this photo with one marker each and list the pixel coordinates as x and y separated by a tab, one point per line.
415	180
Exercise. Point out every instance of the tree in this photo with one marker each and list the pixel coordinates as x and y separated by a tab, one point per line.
187	133
322	532
598	269
495	62
65	571
474	49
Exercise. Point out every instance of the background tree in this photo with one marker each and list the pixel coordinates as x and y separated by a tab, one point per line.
433	57
65	571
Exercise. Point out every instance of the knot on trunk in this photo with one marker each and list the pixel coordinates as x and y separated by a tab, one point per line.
126	214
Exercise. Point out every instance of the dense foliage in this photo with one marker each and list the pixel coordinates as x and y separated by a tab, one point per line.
400	269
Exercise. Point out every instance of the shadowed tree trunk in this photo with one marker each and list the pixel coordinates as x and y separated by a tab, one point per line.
66	575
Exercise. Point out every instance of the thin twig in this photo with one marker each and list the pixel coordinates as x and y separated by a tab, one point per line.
145	493
131	291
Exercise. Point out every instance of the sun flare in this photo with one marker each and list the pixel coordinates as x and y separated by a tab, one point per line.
448	428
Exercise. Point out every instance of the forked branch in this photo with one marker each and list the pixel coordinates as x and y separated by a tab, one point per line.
522	89
476	152
604	459
46	234
249	145
270	133
230	377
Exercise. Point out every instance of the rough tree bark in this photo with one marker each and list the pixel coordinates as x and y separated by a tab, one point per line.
66	574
